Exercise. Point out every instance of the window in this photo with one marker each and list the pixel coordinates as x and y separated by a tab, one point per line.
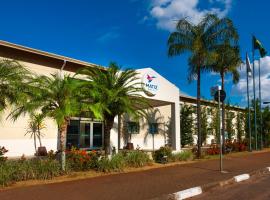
73	134
84	134
133	127
153	128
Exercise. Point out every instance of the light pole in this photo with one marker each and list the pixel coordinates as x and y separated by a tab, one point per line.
219	96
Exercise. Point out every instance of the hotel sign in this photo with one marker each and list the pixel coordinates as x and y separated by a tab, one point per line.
150	83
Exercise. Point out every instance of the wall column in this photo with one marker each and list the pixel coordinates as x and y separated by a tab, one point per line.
175	117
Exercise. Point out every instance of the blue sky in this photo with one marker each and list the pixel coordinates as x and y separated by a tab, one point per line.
132	33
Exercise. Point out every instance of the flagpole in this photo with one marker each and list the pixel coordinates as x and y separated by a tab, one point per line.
260	99
249	128
254	95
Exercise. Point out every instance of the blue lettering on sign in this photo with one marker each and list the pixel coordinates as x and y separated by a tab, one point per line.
151	86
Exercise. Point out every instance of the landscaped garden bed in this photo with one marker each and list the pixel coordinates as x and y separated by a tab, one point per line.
47	168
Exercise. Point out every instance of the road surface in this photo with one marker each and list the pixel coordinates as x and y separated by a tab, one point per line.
253	189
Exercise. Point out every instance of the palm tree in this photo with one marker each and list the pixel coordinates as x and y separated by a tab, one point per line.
154	116
200	40
227	61
113	92
35	125
57	97
13	78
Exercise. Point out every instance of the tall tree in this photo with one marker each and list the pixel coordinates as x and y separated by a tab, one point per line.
227	61
13	83
204	124
214	125
113	92
240	125
230	127
186	121
58	97
200	40
35	126
266	126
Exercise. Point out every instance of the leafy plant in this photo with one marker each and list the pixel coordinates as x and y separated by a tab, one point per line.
116	163
20	170
162	153
3	151
201	41
213	150
186	125
58	97
113	92
183	156
80	160
35	126
137	158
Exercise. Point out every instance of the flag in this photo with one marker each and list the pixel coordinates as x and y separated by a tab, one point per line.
258	45
249	70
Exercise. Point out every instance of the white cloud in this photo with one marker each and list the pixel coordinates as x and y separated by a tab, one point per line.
111	34
241	88
166	12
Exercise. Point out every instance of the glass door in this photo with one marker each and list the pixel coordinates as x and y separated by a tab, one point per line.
97	135
85	132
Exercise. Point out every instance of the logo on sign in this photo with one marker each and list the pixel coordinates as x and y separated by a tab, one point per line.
150	83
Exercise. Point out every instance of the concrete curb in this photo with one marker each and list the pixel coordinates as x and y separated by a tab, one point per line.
191	192
241	177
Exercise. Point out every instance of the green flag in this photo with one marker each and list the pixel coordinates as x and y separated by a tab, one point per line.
258	45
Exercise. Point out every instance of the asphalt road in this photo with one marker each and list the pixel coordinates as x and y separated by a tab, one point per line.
255	189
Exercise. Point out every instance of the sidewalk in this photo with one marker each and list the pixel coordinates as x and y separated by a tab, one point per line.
142	185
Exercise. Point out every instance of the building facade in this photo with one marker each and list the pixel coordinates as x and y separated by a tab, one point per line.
86	132
161	126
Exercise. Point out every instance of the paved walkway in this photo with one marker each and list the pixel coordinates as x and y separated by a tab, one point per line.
142	185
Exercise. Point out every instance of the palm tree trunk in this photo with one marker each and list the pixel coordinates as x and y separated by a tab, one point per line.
39	137
35	142
107	133
63	133
223	115
199	142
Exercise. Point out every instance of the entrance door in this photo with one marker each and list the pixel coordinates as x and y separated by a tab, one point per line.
97	135
85	134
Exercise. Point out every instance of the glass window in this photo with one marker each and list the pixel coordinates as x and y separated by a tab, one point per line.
97	135
133	127
84	134
73	130
153	128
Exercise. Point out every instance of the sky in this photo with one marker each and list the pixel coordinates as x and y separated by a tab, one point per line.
134	34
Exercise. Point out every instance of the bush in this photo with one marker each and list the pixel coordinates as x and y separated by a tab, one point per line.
3	151
116	163
213	150
162	153
20	170
137	159
183	156
80	160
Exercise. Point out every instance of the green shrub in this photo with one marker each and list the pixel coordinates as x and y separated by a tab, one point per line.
20	170
163	153
81	160
183	156
3	151
116	163
137	159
